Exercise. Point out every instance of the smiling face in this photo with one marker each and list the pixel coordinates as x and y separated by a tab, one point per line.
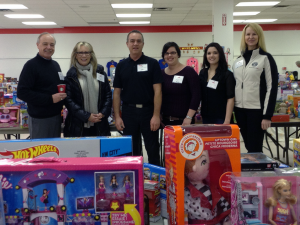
135	44
251	38
83	55
171	56
46	46
212	56
285	191
200	169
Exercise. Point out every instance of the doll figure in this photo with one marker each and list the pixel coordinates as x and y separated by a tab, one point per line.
280	205
44	198
101	187
204	204
114	184
127	185
172	196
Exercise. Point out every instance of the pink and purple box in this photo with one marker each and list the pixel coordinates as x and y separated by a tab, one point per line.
71	190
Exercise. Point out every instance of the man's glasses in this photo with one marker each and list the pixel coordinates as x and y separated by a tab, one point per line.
83	53
170	53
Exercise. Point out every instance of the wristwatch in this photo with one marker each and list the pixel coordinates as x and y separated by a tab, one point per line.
188	117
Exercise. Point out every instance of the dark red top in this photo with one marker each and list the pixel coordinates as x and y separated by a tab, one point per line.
178	98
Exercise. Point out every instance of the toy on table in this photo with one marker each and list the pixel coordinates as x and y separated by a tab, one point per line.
114	184
44	198
127	185
202	202
101	187
280	205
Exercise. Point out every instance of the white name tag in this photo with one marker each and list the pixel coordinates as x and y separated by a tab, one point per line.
142	67
239	64
61	76
100	77
212	84
177	79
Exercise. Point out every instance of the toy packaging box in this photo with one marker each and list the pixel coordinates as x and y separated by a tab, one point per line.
152	190
199	160
96	191
296	147
257	162
24	116
66	147
9	117
2	221
264	198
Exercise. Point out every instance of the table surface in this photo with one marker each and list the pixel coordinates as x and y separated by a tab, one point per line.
292	123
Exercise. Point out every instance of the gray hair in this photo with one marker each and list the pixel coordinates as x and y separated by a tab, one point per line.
39	37
135	31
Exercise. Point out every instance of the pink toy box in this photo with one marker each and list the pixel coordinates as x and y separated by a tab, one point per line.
65	191
9	117
255	196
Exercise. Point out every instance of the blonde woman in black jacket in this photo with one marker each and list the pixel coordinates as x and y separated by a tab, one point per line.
89	99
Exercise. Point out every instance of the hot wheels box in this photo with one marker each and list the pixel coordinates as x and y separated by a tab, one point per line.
199	161
73	191
255	196
66	147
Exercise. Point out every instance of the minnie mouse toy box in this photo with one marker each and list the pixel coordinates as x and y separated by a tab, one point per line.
52	191
199	162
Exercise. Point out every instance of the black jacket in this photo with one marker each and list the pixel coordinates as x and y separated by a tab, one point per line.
77	116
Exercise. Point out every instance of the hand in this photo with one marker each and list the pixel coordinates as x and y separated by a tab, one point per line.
186	122
154	123
58	97
94	118
226	122
265	124
101	115
119	124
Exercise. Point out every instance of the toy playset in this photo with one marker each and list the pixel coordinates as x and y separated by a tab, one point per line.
24	116
152	190
96	191
9	117
262	199
2	205
257	162
199	161
66	147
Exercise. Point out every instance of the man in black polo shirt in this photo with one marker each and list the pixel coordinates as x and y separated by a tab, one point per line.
138	84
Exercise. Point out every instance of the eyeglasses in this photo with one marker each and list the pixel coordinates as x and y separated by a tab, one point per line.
83	53
170	53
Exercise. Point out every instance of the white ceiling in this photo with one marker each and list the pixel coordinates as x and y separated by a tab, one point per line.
72	13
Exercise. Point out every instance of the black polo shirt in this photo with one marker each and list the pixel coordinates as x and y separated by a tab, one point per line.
136	79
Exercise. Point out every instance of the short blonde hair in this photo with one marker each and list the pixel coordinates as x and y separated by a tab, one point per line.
261	38
93	60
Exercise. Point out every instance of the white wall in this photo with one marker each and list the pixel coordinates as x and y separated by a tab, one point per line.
16	49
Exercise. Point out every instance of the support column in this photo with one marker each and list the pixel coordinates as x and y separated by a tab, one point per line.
222	29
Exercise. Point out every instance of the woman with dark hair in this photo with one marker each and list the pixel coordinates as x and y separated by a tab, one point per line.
217	86
180	89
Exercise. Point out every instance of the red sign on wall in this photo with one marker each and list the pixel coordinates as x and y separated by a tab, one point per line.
224	19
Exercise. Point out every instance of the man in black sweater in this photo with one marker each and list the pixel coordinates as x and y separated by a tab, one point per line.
38	87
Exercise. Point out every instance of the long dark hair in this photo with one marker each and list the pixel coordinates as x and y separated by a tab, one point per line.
169	45
222	61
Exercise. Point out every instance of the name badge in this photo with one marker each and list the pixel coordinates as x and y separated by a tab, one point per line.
177	79
100	77
239	64
142	67
212	84
61	76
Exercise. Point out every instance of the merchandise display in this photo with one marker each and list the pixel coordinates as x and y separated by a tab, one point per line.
70	190
199	160
193	62
9	117
264	198
152	190
257	162
296	148
24	116
66	147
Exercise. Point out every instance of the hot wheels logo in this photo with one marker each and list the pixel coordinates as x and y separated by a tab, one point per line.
31	152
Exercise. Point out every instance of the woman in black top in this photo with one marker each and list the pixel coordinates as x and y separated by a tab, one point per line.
217	87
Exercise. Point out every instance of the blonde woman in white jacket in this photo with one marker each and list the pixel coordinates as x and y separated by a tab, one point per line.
256	77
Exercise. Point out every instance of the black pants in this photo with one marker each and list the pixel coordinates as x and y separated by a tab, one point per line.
137	122
89	132
249	121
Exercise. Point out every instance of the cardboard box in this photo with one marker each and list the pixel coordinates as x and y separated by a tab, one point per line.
24	117
152	190
66	147
204	155
257	162
9	117
156	173
72	190
296	147
280	118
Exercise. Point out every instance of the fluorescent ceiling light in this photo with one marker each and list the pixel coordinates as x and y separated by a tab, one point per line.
135	22
257	3
126	6
12	6
245	13
260	21
133	15
39	23
15	16
238	21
